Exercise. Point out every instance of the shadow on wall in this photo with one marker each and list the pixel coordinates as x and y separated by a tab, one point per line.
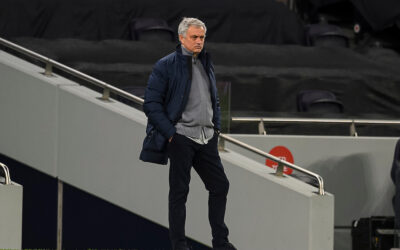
348	179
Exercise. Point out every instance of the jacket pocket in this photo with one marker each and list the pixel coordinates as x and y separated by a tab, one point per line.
155	141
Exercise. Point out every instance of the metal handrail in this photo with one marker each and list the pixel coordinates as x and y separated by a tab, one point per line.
6	174
281	163
109	88
317	120
351	122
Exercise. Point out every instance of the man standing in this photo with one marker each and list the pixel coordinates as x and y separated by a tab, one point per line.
182	107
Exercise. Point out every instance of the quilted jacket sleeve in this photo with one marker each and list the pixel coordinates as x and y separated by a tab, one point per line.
155	100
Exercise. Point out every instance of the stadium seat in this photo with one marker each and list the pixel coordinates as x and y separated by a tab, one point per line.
151	29
325	35
318	101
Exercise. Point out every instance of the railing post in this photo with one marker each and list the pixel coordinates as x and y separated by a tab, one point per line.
48	69
7	178
106	95
321	189
353	131
261	127
279	170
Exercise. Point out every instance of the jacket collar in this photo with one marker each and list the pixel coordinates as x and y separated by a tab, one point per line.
201	56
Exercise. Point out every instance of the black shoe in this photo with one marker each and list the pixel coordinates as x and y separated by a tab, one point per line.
226	246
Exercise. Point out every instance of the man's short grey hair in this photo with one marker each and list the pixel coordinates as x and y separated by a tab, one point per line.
187	22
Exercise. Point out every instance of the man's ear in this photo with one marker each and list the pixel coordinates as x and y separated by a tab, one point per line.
180	38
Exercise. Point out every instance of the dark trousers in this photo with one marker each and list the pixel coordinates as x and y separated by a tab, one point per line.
184	153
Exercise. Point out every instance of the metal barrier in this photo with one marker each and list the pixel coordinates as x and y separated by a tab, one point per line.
6	174
49	64
351	122
281	163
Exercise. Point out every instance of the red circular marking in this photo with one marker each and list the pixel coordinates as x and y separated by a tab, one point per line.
282	153
357	28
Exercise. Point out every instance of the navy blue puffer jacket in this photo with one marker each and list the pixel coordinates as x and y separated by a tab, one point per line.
166	96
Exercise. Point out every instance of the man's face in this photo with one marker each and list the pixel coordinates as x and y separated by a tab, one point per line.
194	39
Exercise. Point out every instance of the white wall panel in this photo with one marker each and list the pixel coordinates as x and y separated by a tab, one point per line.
10	216
28	113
